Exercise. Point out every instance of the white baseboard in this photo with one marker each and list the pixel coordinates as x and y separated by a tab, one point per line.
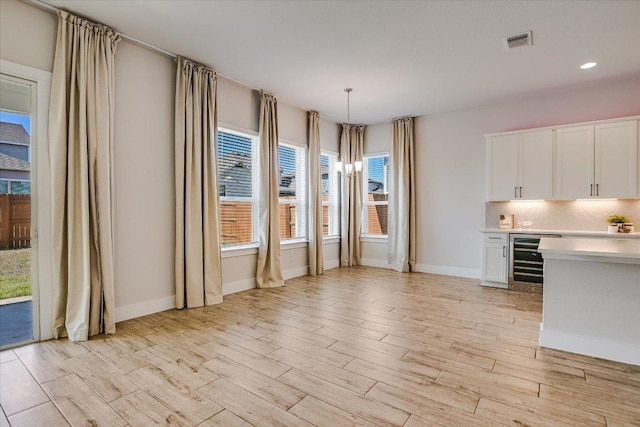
495	285
334	263
448	271
238	286
589	346
161	304
426	268
140	309
295	272
372	262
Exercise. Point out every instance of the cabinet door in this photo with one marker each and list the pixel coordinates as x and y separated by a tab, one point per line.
494	262
574	163
502	167
616	146
536	165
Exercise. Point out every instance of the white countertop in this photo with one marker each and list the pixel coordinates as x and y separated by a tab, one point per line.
563	232
612	250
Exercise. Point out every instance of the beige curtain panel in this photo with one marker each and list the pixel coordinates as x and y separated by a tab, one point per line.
351	148
81	160
197	259
316	262
402	198
269	268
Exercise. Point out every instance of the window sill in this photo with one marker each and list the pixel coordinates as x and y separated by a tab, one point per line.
332	239
293	244
239	250
374	238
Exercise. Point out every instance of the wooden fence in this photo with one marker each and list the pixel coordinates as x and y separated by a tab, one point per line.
15	221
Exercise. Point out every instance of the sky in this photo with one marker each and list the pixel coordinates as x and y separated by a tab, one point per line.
22	119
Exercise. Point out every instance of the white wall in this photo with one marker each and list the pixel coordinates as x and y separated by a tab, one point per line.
450	154
450	158
27	35
143	159
144	200
377	138
330	135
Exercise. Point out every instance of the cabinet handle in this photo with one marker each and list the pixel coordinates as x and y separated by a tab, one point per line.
515	192
520	192
504	252
597	189
591	190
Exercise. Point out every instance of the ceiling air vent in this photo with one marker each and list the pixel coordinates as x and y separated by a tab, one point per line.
518	40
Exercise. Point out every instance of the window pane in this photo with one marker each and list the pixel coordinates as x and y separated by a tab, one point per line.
4	187
236	163
330	202
377	171
292	192
377	195
324	166
287	215
287	163
377	219
20	187
236	224
325	221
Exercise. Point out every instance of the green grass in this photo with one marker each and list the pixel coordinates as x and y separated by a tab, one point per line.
15	273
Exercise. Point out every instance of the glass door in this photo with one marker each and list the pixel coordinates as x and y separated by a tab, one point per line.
18	290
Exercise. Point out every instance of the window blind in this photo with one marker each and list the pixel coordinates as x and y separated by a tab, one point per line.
237	182
330	203
377	195
292	191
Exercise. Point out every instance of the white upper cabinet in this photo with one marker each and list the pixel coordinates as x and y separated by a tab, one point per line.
536	165
574	163
597	161
519	166
616	159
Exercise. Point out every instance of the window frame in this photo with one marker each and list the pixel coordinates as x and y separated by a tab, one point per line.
365	191
333	204
255	187
301	160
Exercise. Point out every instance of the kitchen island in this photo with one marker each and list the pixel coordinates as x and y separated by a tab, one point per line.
591	297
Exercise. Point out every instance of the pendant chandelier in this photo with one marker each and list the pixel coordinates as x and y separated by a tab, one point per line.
349	168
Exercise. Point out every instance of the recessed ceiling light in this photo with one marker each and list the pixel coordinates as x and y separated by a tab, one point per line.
588	65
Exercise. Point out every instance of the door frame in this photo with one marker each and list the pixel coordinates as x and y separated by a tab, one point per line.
42	288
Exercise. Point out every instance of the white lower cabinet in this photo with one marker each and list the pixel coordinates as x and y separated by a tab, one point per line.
495	257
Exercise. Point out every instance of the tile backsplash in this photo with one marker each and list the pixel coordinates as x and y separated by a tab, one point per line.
590	215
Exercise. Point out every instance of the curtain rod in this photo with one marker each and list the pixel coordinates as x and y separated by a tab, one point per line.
155	48
50	8
42	5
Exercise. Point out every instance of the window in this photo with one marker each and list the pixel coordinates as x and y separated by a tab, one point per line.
292	191
238	187
376	204
330	202
15	187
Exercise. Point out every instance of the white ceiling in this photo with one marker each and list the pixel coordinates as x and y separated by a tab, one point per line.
400	57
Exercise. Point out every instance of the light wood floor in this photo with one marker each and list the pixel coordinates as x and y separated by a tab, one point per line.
357	346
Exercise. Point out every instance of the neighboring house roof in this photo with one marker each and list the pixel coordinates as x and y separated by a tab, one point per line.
14	164
376	186
232	160
12	132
